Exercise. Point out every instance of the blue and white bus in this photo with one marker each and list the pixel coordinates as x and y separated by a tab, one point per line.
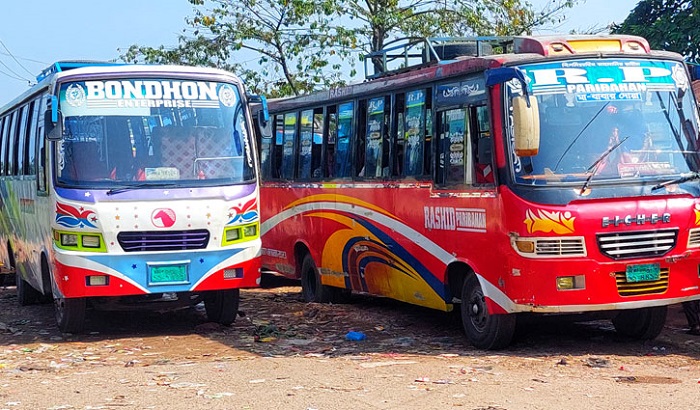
130	185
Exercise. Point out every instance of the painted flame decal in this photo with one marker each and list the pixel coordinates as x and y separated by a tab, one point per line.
697	214
543	221
72	217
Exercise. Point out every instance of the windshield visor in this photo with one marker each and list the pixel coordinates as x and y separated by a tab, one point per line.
600	120
119	133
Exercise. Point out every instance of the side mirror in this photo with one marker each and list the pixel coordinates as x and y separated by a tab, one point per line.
264	115
51	118
526	126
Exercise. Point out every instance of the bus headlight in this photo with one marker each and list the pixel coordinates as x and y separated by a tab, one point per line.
233	235
78	241
240	233
250	230
91	241
69	239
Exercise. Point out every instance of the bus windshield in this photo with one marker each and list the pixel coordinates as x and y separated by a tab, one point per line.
147	132
620	120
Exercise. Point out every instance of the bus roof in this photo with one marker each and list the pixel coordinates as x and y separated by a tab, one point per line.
507	51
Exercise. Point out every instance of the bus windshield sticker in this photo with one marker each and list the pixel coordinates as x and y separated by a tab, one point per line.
595	81
460	93
135	97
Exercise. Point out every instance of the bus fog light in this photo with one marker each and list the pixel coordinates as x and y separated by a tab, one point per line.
97	280
91	241
69	239
525	246
571	282
233	273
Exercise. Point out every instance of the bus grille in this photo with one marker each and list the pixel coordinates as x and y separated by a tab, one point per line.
639	244
154	241
694	238
625	288
560	247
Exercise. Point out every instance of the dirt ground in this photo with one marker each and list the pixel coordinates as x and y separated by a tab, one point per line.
282	353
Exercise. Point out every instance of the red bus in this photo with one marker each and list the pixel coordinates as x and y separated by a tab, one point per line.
546	175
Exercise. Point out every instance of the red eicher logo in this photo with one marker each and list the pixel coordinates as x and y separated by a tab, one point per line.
163	218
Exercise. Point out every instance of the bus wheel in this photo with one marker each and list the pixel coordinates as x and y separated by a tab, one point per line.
311	287
483	330
222	305
26	294
70	314
644	324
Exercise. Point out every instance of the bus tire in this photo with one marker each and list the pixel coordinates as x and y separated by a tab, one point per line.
484	330
643	324
311	287
70	314
222	305
26	294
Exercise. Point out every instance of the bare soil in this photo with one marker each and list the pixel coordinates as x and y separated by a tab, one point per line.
282	353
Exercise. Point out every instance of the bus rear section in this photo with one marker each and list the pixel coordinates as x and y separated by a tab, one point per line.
151	196
556	176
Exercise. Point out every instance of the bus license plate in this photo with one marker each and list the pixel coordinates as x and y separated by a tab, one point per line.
162	274
648	272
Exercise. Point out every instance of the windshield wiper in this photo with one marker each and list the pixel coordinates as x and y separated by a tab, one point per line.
591	171
573	141
692	176
125	188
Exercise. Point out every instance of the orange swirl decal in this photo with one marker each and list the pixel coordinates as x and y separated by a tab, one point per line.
697	214
543	221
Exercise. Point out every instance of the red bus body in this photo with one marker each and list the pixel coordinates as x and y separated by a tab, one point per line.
526	241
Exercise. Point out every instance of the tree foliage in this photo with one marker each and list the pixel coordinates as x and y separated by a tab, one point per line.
291	47
672	25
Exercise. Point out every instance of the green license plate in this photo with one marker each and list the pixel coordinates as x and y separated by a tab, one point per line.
169	274
648	272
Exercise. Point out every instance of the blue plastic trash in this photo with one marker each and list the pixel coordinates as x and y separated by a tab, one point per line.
355	336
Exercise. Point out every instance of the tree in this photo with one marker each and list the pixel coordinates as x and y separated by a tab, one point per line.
289	39
302	45
672	25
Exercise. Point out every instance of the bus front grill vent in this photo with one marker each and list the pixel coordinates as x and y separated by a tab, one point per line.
154	241
694	238
638	244
625	288
560	247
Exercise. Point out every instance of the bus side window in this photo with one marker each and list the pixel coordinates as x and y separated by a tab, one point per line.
278	147
453	148
377	151
4	124
305	142
30	148
21	141
331	136
317	144
398	136
360	142
40	141
346	116
10	148
481	145
429	134
289	141
266	144
414	133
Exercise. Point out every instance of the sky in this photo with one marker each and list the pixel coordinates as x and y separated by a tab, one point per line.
35	33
